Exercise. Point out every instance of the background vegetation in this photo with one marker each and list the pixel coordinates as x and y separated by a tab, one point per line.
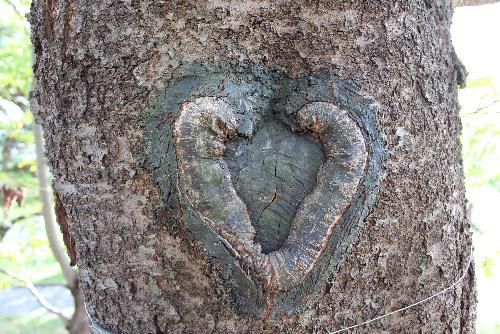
24	248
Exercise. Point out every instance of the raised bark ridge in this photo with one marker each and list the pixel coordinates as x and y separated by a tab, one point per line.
202	129
213	114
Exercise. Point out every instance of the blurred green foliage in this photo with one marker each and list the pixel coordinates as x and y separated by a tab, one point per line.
17	160
16	135
487	266
15	56
32	324
480	113
24	250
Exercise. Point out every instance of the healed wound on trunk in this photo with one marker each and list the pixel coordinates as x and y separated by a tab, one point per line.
203	129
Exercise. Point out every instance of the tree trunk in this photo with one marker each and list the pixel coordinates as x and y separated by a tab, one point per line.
258	166
77	324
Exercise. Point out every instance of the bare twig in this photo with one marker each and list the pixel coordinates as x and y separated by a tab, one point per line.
18	219
14	8
18	13
39	297
5	228
479	109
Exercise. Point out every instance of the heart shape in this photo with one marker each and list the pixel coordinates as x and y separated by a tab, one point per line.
203	128
272	172
209	129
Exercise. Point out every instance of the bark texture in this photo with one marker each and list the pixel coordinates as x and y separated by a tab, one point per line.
78	323
101	68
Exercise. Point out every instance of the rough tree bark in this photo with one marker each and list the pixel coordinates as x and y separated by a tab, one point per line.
257	166
77	324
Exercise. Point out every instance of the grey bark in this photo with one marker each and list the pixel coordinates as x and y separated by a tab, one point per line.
77	324
49	217
108	74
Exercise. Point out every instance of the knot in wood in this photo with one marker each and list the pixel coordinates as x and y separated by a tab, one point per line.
202	130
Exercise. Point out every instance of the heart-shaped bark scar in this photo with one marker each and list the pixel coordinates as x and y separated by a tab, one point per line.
273	176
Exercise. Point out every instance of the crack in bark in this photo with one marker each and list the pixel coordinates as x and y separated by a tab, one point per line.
268	205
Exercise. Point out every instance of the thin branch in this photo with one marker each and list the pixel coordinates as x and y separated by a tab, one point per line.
44	285
20	218
4	229
48	211
14	8
21	16
477	111
39	297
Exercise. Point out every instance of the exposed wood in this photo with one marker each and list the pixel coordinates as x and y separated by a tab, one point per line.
62	220
202	130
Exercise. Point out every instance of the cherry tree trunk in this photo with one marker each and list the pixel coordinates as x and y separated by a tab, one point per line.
257	166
